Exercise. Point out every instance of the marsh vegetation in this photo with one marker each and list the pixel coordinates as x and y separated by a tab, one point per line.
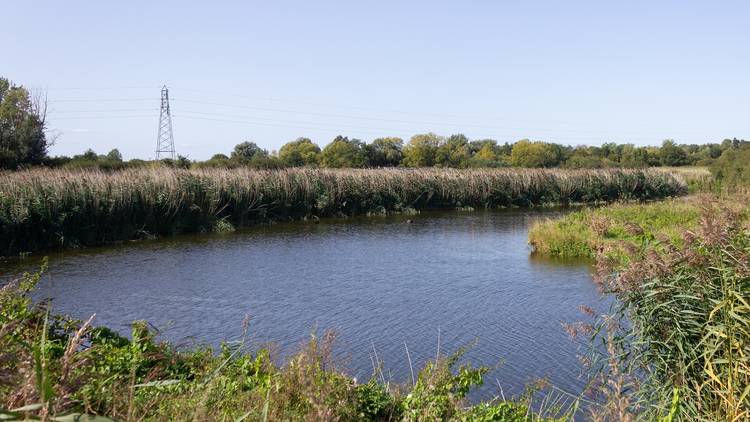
42	209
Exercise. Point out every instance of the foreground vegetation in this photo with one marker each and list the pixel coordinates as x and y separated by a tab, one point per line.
55	368
53	208
678	338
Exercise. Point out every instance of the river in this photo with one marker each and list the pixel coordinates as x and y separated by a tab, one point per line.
381	283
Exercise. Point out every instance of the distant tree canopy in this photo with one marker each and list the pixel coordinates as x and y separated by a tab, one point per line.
385	152
732	168
300	152
23	141
248	151
535	154
344	152
457	151
421	150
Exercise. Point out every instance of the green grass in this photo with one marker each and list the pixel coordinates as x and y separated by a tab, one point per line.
583	233
44	209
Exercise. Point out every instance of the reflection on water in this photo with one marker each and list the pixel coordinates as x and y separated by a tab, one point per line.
379	282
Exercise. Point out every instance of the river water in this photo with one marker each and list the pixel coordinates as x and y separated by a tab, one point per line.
381	283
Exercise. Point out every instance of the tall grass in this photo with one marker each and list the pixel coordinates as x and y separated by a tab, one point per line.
678	339
698	179
52	208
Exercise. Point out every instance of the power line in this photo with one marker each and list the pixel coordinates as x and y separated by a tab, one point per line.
101	111
121	116
180	116
100	88
412	122
97	100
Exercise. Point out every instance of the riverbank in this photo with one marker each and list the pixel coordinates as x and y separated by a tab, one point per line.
583	234
47	209
676	339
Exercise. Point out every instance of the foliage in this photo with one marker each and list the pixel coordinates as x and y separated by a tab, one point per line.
385	152
421	150
672	155
679	336
300	152
344	152
534	154
454	152
732	168
23	141
42	209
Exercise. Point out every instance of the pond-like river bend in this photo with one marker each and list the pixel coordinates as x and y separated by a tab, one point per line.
379	282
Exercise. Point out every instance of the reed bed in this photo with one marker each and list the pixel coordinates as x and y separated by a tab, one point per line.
679	338
43	208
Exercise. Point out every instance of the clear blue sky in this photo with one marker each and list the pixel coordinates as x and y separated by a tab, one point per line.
563	71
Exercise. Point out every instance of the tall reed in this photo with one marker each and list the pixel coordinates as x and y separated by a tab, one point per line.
52	208
683	332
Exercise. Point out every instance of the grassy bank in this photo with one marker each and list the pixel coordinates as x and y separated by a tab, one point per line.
54	367
698	179
44	209
582	234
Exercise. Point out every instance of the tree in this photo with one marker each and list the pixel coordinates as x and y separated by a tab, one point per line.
247	151
22	127
584	157
343	152
533	154
454	152
672	155
114	155
182	162
421	149
732	169
634	157
300	152
385	152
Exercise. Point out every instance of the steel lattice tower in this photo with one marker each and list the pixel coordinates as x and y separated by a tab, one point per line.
165	139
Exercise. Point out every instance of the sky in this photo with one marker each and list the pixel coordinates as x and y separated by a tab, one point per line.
573	72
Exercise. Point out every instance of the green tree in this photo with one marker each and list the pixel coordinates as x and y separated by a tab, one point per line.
487	153
300	152
385	152
114	155
421	149
671	154
22	125
182	162
534	154
732	169
343	152
454	152
586	158
247	151
634	157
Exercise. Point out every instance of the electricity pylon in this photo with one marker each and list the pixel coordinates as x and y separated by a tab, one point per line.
165	139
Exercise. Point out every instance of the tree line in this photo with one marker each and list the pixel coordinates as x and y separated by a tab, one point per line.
24	143
432	150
